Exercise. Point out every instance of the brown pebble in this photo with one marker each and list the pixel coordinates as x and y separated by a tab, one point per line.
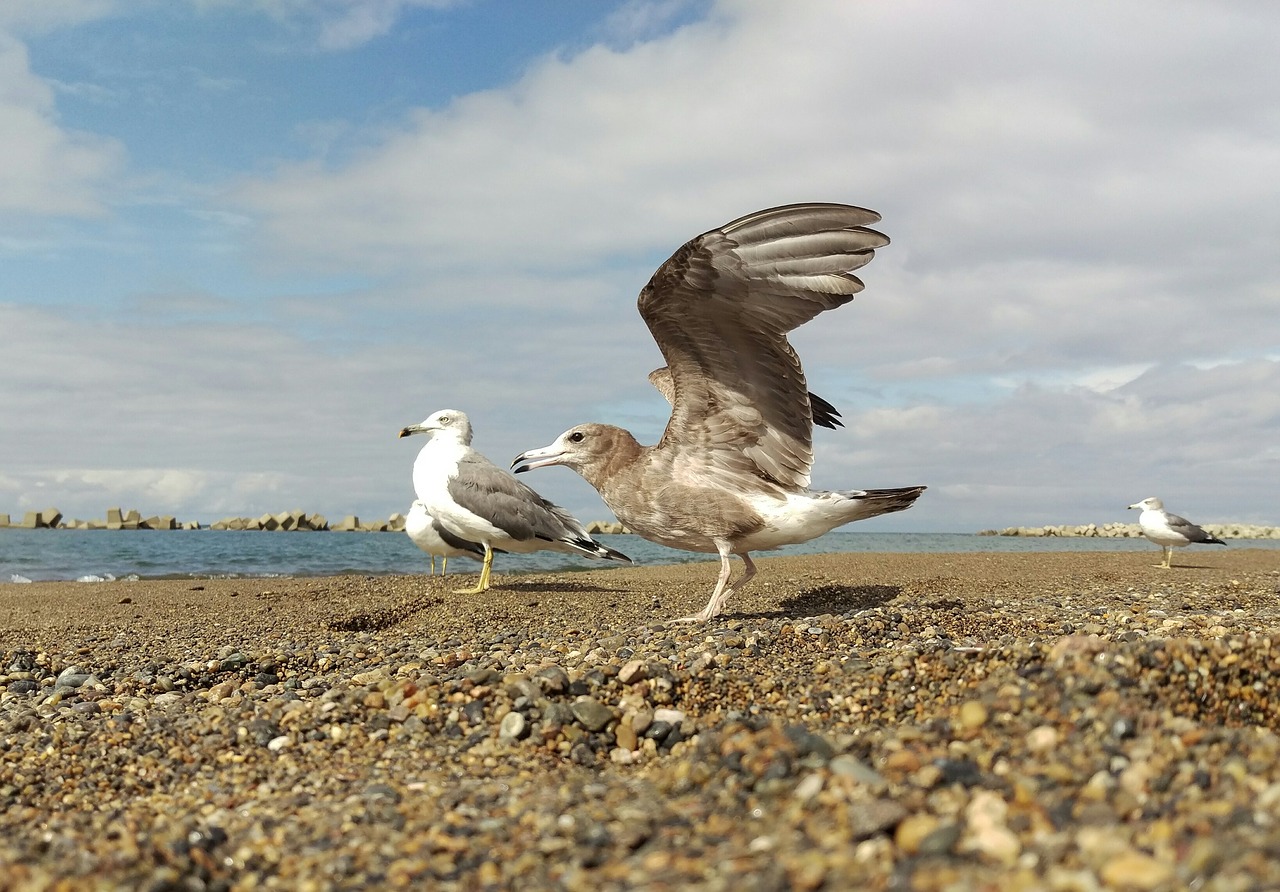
1136	871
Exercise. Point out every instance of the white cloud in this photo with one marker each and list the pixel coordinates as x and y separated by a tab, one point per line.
48	170
1077	309
643	19
47	15
999	148
1202	438
146	486
334	24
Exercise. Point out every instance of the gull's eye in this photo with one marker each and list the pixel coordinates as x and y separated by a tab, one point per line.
577	437
446	419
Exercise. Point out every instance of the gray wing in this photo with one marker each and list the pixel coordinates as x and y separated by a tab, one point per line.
488	491
824	414
1186	528
720	309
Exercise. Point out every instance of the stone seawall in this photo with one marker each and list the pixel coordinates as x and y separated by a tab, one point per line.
300	521
1132	530
286	521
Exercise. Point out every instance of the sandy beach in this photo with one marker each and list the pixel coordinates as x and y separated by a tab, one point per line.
923	721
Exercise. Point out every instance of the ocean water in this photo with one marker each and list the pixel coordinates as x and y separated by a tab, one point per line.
104	556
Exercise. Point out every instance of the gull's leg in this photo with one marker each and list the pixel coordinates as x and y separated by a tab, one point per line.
1168	557
722	591
748	573
433	565
444	566
483	584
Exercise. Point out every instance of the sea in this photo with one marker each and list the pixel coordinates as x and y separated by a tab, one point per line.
97	556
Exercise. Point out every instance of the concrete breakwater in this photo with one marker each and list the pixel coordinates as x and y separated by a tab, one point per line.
301	521
1132	530
286	521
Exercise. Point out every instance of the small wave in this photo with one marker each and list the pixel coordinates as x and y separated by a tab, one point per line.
93	577
15	577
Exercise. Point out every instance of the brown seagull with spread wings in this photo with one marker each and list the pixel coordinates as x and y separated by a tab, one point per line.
731	472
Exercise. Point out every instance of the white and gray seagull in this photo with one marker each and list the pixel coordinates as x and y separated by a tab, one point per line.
477	501
731	473
427	533
1169	531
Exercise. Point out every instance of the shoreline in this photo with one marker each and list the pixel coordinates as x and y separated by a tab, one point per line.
1030	720
89	558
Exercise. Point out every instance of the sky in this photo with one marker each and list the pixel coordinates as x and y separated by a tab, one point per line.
244	242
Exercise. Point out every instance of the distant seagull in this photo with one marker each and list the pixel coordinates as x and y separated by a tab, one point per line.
427	533
476	501
731	472
1169	531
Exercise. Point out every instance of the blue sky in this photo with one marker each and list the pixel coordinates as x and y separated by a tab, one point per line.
245	241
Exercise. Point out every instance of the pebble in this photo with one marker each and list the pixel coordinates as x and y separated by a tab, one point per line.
973	715
633	671
591	714
1136	871
513	726
913	830
1042	739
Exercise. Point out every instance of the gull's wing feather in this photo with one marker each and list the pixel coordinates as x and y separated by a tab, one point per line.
1184	527
720	309
824	414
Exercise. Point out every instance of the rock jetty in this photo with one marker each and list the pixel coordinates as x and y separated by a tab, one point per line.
287	521
300	521
606	528
1133	531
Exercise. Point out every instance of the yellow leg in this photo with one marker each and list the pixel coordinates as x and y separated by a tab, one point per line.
483	584
444	566
433	565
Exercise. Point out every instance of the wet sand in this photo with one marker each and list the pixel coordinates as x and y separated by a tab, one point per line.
1002	721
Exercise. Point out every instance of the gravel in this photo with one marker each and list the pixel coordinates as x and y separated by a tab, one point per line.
933	722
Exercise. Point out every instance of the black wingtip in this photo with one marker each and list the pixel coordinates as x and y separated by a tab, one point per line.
604	552
824	414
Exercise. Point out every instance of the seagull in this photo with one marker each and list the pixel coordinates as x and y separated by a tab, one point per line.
427	533
476	501
1169	531
731	473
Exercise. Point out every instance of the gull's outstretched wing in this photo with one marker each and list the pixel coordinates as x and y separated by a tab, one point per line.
720	309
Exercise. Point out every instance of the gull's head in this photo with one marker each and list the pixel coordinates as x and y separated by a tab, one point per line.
448	423
593	450
1151	504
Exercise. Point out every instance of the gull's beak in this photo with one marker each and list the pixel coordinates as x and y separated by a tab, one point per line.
1139	505
412	429
538	458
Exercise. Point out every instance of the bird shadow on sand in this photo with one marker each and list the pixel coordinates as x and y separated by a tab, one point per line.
382	617
830	599
557	587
